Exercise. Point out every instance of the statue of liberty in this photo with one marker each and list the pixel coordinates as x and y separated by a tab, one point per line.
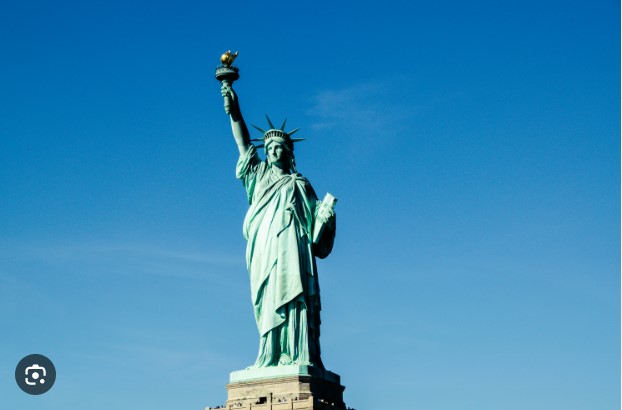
286	228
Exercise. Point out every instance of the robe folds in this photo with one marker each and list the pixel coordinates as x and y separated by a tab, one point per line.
280	258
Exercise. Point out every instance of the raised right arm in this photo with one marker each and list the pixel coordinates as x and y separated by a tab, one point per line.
238	126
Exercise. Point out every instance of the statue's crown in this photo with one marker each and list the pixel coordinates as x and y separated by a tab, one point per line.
278	135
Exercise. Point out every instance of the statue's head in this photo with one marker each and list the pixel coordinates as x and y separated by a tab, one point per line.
279	154
279	145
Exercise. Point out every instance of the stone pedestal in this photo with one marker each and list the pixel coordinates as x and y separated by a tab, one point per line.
285	388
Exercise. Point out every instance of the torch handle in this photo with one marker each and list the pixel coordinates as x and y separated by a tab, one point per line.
227	98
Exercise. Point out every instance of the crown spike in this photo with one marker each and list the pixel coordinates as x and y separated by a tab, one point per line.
258	129
269	122
293	132
283	126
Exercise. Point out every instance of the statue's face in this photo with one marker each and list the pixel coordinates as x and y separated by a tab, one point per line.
277	154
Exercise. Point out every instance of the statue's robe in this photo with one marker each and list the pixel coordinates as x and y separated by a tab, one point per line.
280	258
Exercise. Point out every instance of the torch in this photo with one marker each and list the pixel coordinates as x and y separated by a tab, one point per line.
227	74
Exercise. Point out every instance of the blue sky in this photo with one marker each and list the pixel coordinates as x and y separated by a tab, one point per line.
474	148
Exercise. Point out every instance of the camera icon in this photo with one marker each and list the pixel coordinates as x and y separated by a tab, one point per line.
35	374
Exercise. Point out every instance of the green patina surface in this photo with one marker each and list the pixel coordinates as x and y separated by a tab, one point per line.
284	212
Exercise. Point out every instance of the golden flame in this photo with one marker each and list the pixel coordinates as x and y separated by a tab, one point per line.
227	58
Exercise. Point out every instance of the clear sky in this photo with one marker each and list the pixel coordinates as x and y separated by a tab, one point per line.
474	148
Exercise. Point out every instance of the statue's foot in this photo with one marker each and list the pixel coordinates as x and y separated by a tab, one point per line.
285	359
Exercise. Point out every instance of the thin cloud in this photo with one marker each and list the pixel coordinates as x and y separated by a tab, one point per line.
362	110
141	259
75	251
363	118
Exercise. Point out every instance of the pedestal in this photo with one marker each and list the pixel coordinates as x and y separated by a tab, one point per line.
285	388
